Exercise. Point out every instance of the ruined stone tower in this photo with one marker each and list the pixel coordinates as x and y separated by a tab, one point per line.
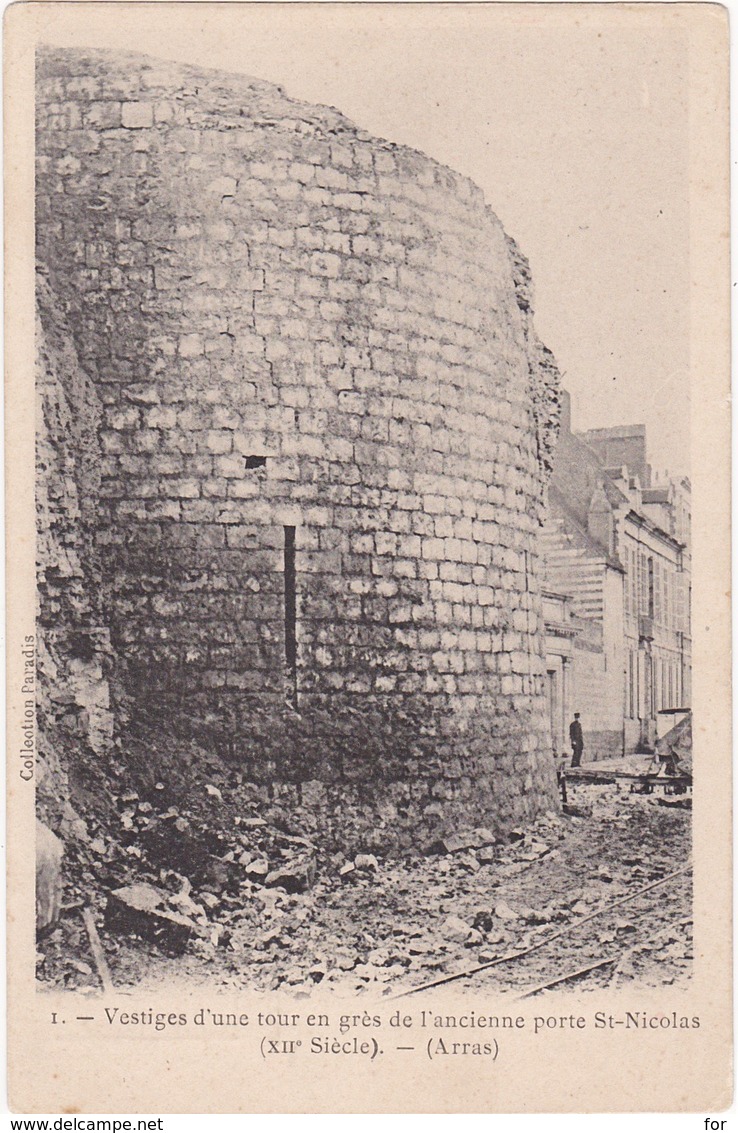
321	431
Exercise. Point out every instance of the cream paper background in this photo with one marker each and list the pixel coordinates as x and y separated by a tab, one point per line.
93	1067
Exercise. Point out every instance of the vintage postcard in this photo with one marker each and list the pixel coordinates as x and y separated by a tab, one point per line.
368	557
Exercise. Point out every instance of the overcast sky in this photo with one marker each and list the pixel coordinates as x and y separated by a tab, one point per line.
573	120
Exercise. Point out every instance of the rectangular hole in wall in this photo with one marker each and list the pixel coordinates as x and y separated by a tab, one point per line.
255	461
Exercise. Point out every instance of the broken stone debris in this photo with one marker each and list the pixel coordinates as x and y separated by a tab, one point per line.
466	840
470	861
366	861
373	924
49	853
453	928
534	850
295	878
147	911
257	869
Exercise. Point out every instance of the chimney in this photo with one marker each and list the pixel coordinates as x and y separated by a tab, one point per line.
565	413
600	520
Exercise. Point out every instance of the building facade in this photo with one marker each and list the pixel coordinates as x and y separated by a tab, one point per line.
617	544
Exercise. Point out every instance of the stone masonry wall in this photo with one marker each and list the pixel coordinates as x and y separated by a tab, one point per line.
326	428
72	644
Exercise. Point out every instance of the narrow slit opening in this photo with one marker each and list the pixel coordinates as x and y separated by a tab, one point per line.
290	612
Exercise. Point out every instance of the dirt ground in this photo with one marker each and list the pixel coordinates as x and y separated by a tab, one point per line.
384	926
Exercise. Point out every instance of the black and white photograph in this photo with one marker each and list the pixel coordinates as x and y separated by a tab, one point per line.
362	664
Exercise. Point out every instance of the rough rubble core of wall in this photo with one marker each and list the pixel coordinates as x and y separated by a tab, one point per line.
72	646
326	428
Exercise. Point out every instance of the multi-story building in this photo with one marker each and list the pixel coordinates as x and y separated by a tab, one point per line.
616	544
574	657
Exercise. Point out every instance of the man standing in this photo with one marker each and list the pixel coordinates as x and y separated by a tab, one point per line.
577	741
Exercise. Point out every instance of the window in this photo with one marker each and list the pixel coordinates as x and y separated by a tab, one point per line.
642	584
650	608
664	698
631	565
682	603
666	596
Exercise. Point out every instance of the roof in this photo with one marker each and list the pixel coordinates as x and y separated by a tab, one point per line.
577	473
656	495
644	521
616	432
580	534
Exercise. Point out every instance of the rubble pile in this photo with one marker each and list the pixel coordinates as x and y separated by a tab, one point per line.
193	879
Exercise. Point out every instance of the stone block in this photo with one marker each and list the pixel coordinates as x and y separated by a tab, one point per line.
222	187
326	264
128	418
137	115
103	115
183	489
191	345
219	441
